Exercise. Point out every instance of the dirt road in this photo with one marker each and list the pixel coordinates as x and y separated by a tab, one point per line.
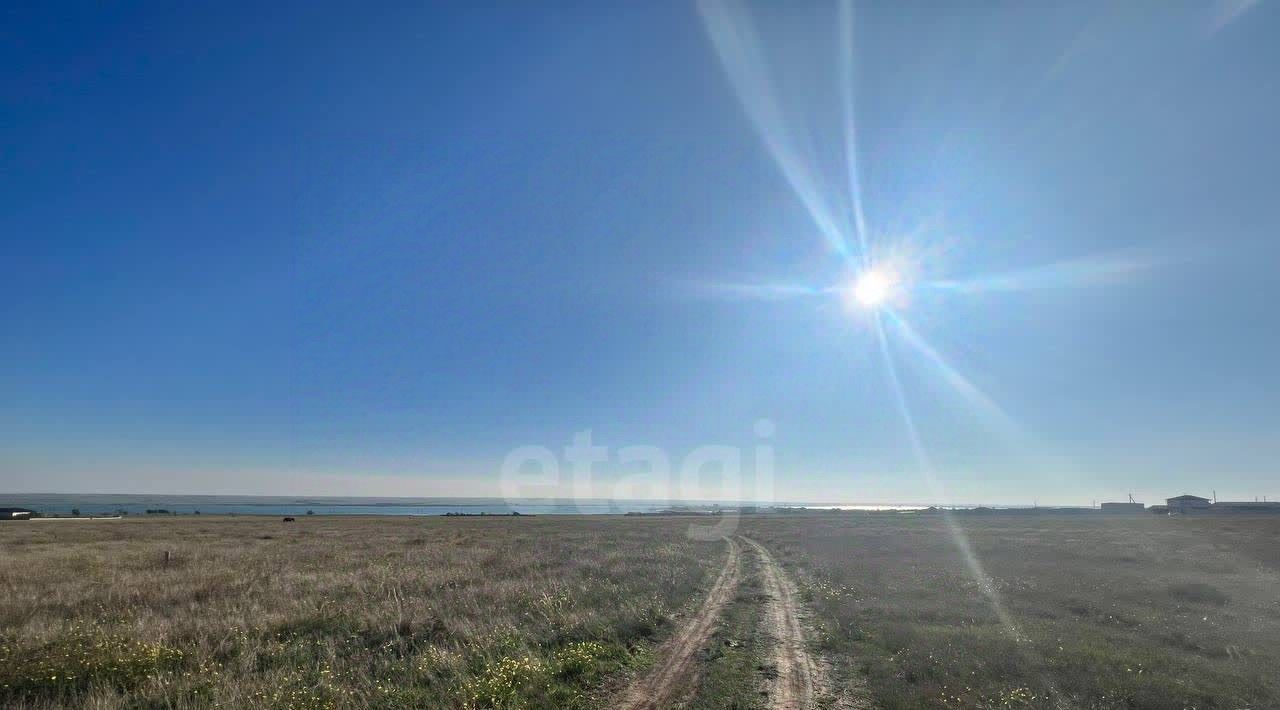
795	684
678	657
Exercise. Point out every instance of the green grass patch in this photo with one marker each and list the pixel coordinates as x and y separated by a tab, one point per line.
735	660
84	657
560	679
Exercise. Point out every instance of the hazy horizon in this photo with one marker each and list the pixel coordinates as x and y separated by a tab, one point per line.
63	501
369	499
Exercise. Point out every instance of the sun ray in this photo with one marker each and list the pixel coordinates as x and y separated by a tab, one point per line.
756	291
845	24
1035	454
925	465
733	35
1073	273
959	538
993	415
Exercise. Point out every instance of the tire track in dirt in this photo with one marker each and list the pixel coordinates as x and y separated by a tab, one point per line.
678	657
796	681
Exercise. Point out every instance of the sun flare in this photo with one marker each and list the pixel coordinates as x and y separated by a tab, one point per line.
873	287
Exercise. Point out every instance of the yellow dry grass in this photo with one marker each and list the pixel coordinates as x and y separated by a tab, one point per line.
335	612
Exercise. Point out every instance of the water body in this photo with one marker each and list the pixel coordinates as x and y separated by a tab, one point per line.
97	504
272	505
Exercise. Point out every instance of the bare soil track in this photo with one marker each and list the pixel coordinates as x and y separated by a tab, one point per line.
678	658
795	684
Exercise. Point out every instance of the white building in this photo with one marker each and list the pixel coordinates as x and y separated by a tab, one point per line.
1188	504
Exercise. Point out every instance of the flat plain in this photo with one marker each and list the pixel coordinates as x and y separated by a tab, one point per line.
1041	610
849	610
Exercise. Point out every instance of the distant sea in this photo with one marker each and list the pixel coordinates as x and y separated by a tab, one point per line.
99	504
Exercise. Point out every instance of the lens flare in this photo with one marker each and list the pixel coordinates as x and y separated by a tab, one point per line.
873	288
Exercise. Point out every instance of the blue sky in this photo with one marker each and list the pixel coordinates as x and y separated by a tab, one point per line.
328	249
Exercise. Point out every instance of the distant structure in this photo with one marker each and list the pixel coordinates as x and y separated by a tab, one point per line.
1196	504
1131	507
1245	507
16	513
1188	504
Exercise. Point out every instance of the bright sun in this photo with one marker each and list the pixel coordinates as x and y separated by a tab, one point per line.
872	288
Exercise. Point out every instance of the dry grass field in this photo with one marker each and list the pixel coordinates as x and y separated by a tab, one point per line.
563	612
1101	611
335	612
